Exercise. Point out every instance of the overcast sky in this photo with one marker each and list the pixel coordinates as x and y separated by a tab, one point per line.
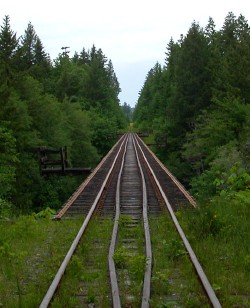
132	33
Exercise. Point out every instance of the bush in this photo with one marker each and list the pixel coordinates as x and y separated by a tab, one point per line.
204	222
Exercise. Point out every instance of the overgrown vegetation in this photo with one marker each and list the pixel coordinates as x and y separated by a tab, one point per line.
130	260
31	250
174	283
219	233
86	279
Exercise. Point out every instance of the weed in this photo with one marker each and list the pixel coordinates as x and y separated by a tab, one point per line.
137	265
48	213
86	275
174	249
90	298
120	257
173	279
6	209
204	222
247	262
28	258
219	234
12	267
75	266
124	220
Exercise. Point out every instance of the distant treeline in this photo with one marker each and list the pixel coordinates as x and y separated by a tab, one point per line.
198	105
69	102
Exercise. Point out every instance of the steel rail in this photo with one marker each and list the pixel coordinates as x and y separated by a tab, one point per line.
52	289
147	275
112	272
148	270
79	190
199	270
173	178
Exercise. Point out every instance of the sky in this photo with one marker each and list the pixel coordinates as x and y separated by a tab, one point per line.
133	34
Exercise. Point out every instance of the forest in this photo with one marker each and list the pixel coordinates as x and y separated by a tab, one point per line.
195	112
69	102
196	107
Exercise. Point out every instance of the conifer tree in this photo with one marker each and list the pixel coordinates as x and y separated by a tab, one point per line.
28	42
8	51
34	59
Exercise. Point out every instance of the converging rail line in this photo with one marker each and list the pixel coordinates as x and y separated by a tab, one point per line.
128	187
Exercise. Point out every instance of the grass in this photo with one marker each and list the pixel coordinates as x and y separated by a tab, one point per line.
174	283
220	235
130	261
86	279
31	251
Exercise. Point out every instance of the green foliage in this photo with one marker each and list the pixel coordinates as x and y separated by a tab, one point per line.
242	197
205	222
88	268
30	252
47	213
120	257
247	262
174	249
124	219
82	149
8	49
227	174
128	111
6	209
150	100
137	266
73	103
213	130
173	279
200	102
41	61
13	269
219	231
8	161
134	264
102	128
75	268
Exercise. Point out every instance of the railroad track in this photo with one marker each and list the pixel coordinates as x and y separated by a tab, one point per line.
126	193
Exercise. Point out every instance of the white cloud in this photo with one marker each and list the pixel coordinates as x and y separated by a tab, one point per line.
132	33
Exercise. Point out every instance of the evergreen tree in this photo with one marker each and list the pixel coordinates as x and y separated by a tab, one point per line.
150	102
113	81
193	91
34	59
128	111
8	52
42	63
28	42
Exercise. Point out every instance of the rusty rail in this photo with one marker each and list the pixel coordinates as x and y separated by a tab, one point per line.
112	272
54	285
200	272
148	248
173	178
79	190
